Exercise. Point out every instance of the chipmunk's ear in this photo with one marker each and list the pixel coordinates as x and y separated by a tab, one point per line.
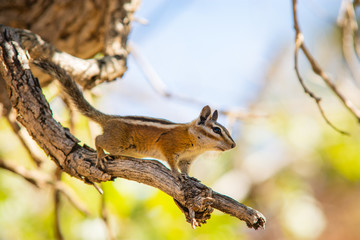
205	113
215	115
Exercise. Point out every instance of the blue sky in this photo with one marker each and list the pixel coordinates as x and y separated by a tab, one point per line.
211	50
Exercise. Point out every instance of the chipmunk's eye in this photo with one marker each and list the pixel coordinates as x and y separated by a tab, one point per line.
216	130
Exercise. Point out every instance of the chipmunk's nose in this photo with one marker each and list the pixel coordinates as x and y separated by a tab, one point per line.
233	145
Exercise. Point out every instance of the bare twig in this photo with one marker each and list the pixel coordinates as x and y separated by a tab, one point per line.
149	72
16	129
34	177
299	44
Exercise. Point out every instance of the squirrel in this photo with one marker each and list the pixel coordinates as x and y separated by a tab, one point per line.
136	136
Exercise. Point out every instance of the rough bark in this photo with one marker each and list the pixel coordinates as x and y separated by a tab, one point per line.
82	29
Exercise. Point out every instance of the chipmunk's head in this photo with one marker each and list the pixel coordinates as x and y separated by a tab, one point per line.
210	134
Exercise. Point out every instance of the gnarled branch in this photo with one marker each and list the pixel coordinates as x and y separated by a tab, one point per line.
83	29
195	199
87	72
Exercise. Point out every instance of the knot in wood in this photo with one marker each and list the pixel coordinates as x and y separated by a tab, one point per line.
198	201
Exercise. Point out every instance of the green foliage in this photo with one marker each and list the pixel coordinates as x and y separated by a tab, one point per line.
343	155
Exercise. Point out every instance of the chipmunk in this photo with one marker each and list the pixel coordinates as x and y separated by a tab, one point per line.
134	136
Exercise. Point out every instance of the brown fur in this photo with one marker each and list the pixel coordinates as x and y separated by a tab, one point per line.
177	143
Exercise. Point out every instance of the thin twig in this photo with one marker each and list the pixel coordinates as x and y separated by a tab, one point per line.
34	177
149	72
299	44
16	129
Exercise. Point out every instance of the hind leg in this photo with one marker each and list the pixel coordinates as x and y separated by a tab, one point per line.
101	156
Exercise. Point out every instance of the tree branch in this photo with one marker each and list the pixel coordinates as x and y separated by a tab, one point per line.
87	72
63	148
83	29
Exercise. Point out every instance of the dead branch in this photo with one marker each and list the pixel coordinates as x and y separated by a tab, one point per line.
77	161
299	44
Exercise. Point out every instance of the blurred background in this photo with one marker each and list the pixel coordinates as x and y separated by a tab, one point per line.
238	57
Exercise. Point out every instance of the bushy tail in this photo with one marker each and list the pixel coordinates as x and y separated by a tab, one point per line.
72	90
